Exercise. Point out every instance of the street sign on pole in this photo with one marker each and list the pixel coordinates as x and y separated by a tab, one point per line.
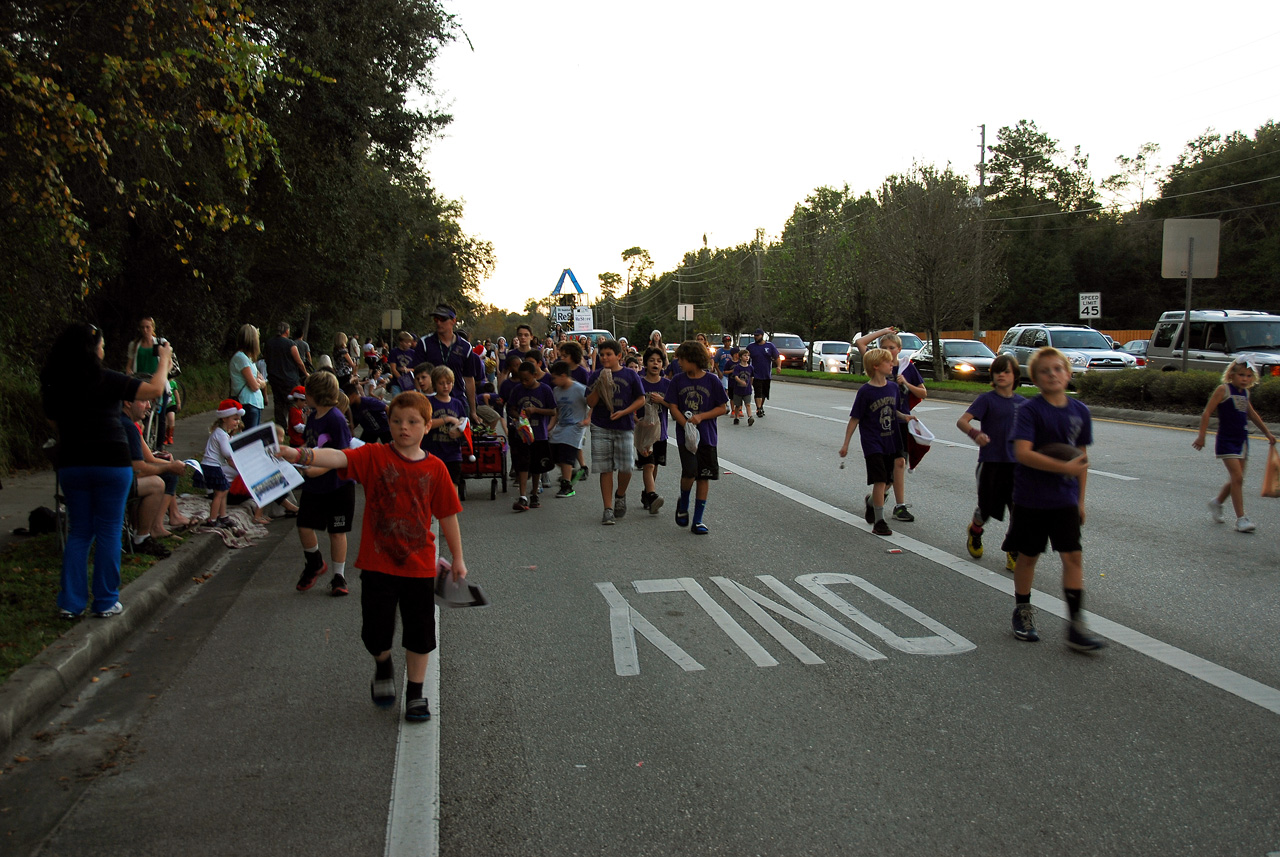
1091	305
684	312
1190	250
391	319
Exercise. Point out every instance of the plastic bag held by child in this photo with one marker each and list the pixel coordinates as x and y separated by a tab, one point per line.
604	387
648	429
524	428
690	432
1271	476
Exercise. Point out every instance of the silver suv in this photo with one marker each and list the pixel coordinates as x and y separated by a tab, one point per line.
1217	337
1087	349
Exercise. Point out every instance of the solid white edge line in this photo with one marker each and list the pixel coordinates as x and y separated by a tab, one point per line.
413	818
1193	665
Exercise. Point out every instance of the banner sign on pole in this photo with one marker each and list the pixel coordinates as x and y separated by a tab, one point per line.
583	318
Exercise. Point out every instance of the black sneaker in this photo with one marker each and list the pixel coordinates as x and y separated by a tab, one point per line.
655	503
1024	623
586	471
566	489
737	421
309	575
900	513
417	710
520	505
644	500
338	586
152	547
870	514
534	502
880	528
619	505
1081	640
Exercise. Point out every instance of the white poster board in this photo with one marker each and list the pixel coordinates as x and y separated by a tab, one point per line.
562	314
584	318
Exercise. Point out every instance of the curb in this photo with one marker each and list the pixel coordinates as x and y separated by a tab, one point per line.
36	687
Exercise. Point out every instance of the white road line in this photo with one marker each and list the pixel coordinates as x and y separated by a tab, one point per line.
1232	682
956	444
413	819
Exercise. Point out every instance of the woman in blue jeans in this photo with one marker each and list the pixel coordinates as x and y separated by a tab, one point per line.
246	381
94	469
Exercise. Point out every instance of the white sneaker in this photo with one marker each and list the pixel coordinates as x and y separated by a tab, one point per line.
1244	525
1215	511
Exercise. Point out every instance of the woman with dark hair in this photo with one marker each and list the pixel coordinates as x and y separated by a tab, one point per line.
83	399
246	381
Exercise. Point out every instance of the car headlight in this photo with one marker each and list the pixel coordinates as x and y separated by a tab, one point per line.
962	367
1079	360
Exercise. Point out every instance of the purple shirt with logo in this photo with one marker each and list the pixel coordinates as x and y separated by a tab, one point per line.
877	411
626	389
699	395
437	441
996	412
1040	422
539	397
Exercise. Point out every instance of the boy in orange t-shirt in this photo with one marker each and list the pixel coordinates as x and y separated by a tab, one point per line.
404	488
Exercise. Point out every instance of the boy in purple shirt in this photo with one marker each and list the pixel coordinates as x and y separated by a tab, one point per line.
740	386
995	411
443	433
654	383
612	422
1048	495
875	415
571	353
696	396
328	503
536	402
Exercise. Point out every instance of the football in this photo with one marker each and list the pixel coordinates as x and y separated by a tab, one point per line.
1060	451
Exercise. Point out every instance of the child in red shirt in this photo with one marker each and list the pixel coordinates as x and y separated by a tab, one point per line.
297	416
404	488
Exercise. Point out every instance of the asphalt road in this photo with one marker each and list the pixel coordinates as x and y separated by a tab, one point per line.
785	685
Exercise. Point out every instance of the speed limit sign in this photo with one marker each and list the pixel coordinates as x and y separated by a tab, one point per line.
1091	305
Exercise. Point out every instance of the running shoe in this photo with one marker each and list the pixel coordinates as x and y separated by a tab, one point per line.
68	615
869	515
1024	623
520	505
383	690
1080	639
114	610
655	503
566	489
751	421
1244	525
1215	511
974	542
608	519
338	586
619	506
900	513
534	501
881	529
309	574
1010	560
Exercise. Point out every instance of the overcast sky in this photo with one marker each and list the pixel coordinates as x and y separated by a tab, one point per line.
584	128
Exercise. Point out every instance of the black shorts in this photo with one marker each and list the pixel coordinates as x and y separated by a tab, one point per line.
455	471
703	464
564	453
380	595
1030	529
995	488
657	455
530	457
761	387
880	467
332	511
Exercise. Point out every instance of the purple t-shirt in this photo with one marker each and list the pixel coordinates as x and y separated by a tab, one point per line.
913	377
626	389
402	358
762	356
539	397
995	412
580	374
877	411
437	441
740	380
659	386
327	432
699	395
1040	422
504	393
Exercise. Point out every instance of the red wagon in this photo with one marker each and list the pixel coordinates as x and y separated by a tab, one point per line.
491	463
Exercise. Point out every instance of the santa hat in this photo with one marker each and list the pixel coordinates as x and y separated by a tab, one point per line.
299	392
229	408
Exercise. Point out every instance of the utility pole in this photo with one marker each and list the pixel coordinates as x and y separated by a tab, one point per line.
759	269
982	192
684	324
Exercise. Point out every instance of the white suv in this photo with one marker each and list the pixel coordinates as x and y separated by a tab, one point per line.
1087	349
1217	337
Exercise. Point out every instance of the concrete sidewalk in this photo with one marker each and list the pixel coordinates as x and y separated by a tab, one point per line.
40	684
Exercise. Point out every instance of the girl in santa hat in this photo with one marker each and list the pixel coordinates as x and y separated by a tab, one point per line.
216	464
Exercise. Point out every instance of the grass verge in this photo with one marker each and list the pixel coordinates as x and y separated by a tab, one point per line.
952	386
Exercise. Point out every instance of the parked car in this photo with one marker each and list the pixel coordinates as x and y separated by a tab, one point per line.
829	355
1138	348
910	345
966	360
1085	348
791	350
1216	338
593	336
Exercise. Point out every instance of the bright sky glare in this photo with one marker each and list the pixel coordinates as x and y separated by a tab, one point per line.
584	128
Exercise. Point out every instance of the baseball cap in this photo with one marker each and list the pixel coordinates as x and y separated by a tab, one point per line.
759	331
444	311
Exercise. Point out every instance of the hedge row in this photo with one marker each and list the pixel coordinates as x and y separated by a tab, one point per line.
1176	392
